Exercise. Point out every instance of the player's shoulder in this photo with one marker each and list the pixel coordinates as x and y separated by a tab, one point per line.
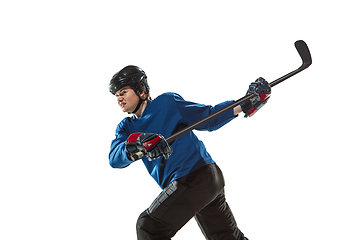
123	124
168	96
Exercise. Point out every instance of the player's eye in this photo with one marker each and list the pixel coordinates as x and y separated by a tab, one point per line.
120	94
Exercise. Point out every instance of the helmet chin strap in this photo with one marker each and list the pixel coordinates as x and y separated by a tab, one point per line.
138	105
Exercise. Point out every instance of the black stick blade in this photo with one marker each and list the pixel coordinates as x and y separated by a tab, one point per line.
304	53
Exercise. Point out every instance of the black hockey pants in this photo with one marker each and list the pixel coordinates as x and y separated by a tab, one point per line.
199	194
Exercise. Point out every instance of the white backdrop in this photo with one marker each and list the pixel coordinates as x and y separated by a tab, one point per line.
291	171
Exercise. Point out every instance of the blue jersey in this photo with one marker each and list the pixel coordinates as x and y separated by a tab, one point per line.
166	115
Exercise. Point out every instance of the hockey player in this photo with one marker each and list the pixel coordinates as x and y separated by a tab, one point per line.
192	183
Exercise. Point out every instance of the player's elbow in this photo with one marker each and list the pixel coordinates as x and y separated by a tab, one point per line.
118	162
113	162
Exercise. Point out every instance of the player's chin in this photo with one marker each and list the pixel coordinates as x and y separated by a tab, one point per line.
126	110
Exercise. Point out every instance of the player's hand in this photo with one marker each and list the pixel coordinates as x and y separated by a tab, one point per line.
151	145
262	90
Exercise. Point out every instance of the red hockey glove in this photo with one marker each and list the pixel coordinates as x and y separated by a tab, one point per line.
262	90
151	145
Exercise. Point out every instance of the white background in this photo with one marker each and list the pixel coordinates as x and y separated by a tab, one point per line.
291	171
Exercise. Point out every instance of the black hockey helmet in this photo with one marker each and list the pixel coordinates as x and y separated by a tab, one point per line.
132	76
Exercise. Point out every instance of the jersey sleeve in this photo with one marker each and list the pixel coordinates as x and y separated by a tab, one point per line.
117	155
192	112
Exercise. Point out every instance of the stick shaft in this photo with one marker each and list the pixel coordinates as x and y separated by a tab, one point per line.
207	119
290	74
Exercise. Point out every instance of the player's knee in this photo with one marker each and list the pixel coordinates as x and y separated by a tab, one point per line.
146	226
142	220
149	228
141	224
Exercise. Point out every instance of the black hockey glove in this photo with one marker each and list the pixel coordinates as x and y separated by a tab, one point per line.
262	90
151	145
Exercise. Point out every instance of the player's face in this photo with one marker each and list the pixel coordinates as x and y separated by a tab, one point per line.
127	99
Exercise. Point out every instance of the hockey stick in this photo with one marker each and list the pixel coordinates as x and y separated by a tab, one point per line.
305	55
